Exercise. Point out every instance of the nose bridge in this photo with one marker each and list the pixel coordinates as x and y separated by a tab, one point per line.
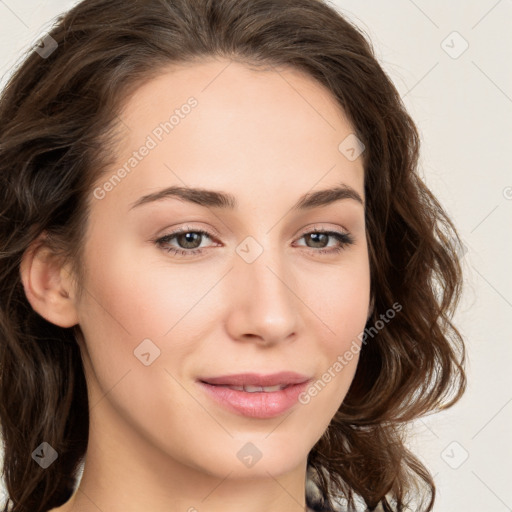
264	294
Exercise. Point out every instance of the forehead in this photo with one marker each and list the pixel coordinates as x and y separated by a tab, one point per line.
221	125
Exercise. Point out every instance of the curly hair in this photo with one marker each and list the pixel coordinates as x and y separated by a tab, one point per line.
58	118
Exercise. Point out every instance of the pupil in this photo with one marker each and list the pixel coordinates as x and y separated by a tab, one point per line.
315	237
190	237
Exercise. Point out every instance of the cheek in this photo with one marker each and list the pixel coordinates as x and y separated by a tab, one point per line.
341	308
133	307
119	310
135	298
339	358
338	298
127	309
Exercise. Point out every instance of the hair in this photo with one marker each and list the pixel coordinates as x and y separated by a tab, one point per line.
59	121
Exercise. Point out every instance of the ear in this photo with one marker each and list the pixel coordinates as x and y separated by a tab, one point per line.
48	284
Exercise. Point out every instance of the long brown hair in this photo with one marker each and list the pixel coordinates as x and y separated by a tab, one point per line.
58	118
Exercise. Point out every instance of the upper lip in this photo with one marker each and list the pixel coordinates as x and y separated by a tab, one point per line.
257	379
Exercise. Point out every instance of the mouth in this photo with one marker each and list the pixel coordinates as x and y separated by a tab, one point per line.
250	381
256	395
253	389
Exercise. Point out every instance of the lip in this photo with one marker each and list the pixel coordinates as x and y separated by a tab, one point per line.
257	379
262	404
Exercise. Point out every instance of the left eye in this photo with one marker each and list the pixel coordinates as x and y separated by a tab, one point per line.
189	241
317	236
187	238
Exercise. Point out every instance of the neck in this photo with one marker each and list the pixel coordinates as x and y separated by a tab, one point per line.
124	473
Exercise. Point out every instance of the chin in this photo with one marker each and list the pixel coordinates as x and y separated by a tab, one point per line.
256	455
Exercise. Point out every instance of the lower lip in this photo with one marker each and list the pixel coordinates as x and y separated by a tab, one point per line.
258	404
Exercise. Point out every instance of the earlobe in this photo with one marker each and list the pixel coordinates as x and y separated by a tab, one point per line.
47	284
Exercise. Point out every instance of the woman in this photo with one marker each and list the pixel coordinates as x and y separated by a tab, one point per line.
223	284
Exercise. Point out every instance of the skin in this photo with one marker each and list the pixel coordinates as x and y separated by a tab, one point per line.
157	442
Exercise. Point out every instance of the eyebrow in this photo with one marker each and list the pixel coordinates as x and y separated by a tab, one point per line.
224	200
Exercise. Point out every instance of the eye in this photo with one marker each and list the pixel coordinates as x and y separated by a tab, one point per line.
320	237
189	241
187	237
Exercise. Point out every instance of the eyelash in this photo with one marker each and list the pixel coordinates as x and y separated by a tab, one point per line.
344	239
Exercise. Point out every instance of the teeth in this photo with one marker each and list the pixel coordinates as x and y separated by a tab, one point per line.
256	389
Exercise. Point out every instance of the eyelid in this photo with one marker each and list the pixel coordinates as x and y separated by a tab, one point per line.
323	227
343	237
212	233
185	229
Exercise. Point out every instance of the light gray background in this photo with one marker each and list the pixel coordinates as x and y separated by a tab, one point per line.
463	109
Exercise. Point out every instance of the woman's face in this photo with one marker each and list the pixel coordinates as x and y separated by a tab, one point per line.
264	294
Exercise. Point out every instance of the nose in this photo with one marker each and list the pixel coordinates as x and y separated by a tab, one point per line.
264	305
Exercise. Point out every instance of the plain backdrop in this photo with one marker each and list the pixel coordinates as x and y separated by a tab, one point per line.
452	64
